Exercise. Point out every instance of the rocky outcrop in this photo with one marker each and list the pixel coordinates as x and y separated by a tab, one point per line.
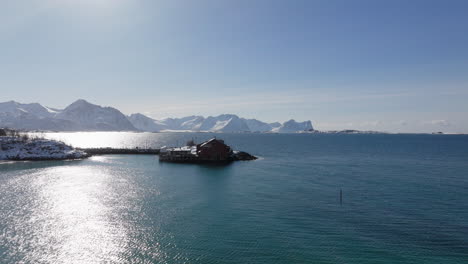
241	155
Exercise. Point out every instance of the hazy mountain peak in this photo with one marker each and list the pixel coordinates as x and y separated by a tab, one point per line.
292	126
228	116
16	108
138	115
80	103
144	123
96	118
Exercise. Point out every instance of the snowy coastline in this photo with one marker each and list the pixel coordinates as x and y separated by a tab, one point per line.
16	148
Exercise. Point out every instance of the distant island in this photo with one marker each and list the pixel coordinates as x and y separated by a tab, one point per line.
84	116
346	131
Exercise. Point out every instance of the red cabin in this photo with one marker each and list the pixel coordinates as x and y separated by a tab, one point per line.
213	149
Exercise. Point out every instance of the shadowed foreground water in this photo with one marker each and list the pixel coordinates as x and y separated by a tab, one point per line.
404	201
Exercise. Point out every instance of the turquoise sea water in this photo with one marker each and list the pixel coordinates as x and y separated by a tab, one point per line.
405	200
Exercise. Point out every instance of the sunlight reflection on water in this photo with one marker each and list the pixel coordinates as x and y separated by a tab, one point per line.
68	218
103	159
82	220
68	214
109	139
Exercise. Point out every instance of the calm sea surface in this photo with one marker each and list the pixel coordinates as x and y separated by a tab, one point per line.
405	200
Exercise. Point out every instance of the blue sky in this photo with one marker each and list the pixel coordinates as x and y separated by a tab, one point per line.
363	64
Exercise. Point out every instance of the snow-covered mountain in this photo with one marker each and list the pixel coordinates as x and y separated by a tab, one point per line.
221	123
28	121
275	124
84	116
91	117
32	117
79	116
192	123
258	126
16	108
144	123
224	123
292	126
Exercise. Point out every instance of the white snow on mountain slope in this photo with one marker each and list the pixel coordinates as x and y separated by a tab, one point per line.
144	123
184	123
32	117
235	124
192	123
16	108
52	110
220	125
92	117
224	123
257	126
292	126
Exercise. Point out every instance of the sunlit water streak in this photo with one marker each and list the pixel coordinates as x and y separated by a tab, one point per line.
65	217
124	139
73	213
404	202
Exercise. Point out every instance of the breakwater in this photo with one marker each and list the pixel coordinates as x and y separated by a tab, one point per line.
120	151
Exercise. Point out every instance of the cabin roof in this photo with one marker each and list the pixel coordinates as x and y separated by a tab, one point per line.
212	140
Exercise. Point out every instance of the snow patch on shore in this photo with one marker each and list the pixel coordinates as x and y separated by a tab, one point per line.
13	148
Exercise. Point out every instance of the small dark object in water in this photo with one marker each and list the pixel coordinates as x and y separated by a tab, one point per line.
341	197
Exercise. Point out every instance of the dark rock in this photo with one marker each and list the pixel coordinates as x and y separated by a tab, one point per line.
241	155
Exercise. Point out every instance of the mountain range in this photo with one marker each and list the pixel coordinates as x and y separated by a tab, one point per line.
84	116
